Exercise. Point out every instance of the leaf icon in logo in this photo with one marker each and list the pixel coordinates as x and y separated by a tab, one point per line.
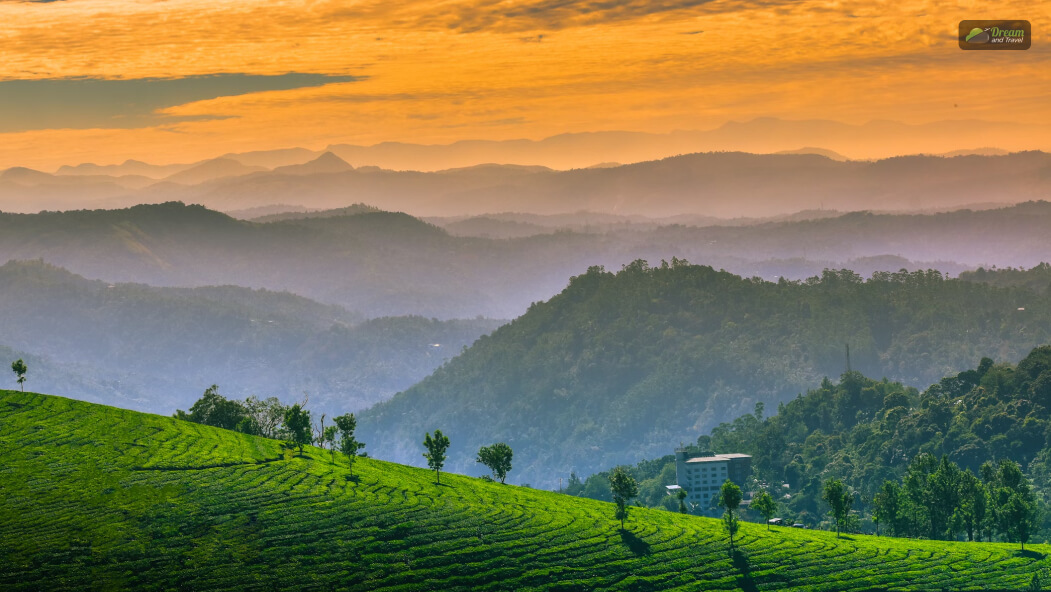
977	35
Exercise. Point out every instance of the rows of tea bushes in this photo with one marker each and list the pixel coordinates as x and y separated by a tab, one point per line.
93	497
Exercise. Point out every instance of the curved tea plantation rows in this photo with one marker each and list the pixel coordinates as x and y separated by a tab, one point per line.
93	497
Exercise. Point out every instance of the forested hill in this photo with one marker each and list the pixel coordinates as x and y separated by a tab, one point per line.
866	432
621	367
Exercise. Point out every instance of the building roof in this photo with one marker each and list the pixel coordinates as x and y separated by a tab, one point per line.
717	458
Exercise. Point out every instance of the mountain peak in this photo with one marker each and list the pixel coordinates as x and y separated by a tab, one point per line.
326	163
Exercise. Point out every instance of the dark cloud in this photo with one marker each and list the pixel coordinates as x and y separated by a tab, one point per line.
83	103
552	14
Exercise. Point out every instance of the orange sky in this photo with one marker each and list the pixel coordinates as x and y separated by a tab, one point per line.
437	72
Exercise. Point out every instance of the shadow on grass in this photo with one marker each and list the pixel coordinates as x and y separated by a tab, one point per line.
636	545
354	478
744	581
846	537
1029	554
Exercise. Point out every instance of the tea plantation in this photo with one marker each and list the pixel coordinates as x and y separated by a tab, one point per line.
93	497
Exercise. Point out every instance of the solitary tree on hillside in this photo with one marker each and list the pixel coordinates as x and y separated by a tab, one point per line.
682	501
20	370
498	458
839	499
297	423
348	444
435	454
624	488
764	504
730	499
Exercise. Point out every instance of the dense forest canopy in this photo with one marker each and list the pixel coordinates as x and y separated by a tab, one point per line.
966	430
621	366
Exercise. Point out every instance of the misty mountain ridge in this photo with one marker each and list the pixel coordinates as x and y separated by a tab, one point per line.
157	349
713	184
595	149
324	164
209	170
128	167
391	264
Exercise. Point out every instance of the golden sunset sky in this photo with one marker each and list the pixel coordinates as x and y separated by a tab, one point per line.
181	80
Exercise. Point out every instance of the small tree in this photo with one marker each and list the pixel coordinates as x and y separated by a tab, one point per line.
297	424
971	511
764	504
20	369
267	415
248	425
498	458
729	500
624	488
348	444
329	437
682	501
435	454
1020	515
840	500
318	431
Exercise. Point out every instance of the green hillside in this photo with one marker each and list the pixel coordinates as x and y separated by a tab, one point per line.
97	498
620	367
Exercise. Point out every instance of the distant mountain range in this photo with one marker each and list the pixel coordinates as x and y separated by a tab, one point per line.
714	185
147	348
388	264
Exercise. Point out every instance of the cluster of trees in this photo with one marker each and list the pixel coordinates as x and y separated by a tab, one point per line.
650	476
270	418
868	432
939	500
1036	278
967	458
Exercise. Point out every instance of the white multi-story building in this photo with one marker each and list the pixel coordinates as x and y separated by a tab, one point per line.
703	476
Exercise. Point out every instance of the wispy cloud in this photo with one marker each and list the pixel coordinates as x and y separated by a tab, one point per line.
86	103
512	15
438	71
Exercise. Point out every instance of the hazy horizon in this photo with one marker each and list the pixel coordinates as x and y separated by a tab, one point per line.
868	141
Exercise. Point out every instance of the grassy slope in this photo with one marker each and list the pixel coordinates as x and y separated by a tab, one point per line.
93	497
